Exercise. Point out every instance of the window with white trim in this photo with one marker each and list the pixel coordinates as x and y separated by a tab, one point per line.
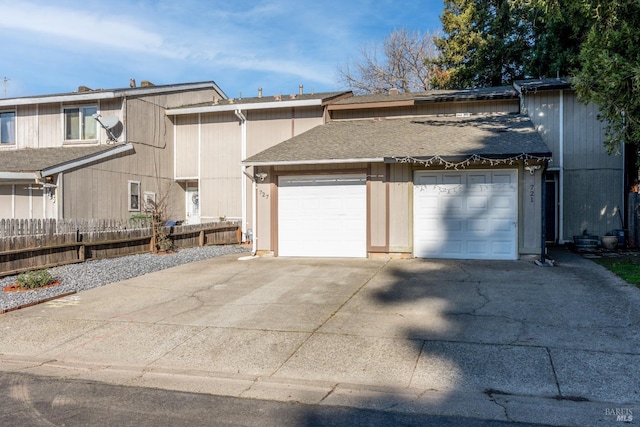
7	127
79	124
134	195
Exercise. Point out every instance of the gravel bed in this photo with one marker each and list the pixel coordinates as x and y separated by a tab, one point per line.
91	274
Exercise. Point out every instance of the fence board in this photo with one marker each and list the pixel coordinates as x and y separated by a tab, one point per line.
102	239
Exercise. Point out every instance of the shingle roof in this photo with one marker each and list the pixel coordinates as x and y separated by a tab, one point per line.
38	159
445	136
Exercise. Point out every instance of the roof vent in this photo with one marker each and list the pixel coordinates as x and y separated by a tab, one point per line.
132	82
146	83
259	92
292	96
300	90
278	97
393	91
84	89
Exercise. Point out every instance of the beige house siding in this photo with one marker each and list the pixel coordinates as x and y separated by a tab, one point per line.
214	139
377	208
27	126
6	201
591	180
400	208
187	131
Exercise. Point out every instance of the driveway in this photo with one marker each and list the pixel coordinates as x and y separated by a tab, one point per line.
484	339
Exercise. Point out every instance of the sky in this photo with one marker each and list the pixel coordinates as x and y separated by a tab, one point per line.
54	46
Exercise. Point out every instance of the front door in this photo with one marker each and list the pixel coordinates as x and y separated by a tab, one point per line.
193	206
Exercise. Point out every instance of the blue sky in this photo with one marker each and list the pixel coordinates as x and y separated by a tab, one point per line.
53	46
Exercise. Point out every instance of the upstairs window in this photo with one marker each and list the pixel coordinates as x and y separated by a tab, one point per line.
79	123
7	127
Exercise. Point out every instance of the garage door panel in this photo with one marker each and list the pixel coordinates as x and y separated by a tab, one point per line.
466	215
322	216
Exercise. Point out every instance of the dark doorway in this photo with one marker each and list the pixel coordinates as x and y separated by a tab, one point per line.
551	207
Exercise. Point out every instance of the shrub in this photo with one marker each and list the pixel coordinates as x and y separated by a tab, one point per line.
35	279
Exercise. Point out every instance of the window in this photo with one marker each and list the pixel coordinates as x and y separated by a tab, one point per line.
134	196
79	123
7	127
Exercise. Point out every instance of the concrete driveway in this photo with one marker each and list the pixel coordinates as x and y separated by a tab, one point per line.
492	340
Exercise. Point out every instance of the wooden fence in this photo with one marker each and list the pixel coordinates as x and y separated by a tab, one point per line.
22	252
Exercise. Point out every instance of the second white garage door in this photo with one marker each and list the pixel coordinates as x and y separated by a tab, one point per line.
322	216
466	215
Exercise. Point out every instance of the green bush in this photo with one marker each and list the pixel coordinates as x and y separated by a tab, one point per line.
35	279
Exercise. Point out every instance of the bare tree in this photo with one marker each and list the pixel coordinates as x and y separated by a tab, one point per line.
404	61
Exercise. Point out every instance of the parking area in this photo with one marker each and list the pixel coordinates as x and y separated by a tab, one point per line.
503	340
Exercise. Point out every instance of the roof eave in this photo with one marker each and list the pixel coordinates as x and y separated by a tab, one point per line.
246	106
377	104
123	148
462	157
19	175
312	162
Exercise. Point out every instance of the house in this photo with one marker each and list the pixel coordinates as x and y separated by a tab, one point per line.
212	138
442	174
585	186
93	153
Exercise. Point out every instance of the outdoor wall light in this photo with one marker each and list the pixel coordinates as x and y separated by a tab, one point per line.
261	176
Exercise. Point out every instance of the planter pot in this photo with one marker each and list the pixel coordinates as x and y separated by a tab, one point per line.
586	242
609	242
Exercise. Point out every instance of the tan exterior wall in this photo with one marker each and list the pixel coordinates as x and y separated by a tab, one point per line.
591	180
6	201
215	140
378	208
530	211
187	130
22	200
400	208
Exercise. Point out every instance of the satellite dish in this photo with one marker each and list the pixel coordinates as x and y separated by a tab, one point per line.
109	122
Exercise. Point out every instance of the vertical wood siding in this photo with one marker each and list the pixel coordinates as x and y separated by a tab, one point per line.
27	127
592	179
377	207
187	154
6	201
400	208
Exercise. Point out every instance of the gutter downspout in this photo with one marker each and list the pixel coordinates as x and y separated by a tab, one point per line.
243	170
561	174
254	213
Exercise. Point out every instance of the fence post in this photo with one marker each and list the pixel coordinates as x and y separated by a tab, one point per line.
201	238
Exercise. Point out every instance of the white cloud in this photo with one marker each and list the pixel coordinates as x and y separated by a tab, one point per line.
80	28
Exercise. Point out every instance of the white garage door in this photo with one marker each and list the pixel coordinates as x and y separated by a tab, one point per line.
466	215
322	216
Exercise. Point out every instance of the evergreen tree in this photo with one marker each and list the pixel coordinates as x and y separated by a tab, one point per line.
610	68
485	43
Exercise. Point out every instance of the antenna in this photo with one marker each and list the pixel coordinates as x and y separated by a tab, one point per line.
107	123
4	85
